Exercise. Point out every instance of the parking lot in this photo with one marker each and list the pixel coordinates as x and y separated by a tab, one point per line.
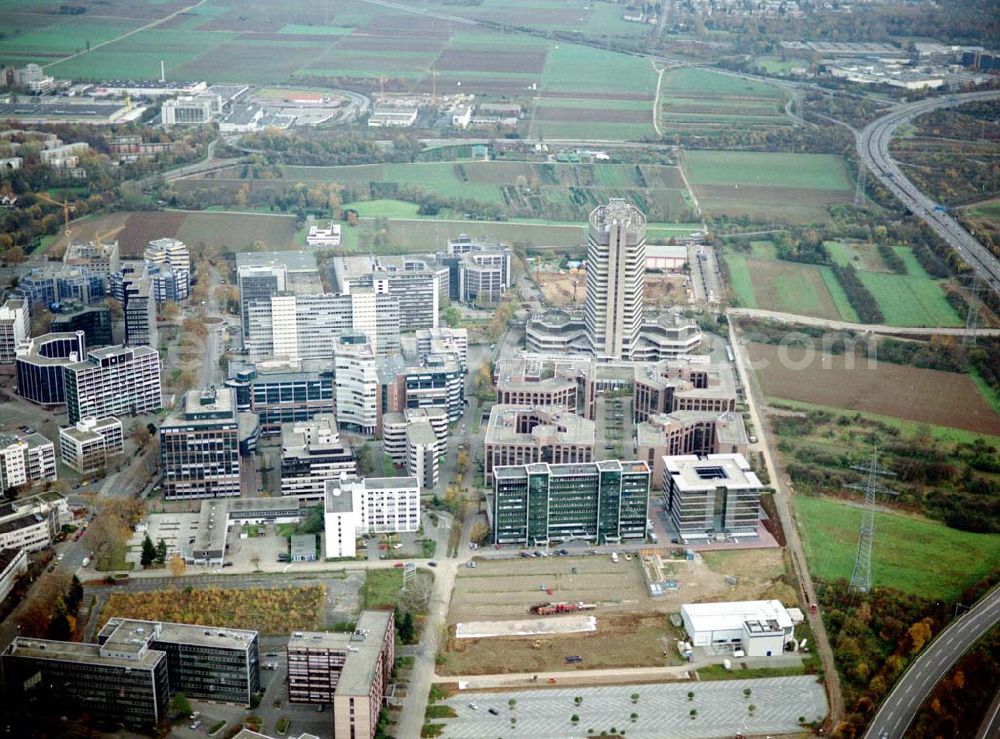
719	709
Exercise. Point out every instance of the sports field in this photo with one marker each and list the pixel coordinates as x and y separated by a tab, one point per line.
912	554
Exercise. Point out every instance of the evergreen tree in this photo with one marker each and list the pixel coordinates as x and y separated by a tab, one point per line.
161	552
148	552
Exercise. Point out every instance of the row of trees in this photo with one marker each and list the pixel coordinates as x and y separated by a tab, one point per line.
860	297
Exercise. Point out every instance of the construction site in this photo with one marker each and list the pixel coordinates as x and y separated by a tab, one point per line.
588	612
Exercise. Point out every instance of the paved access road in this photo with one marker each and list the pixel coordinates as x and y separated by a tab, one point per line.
873	150
858	328
897	711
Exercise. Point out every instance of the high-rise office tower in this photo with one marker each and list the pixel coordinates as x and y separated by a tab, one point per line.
616	261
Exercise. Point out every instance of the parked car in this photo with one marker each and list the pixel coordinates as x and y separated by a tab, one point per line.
432	563
494	711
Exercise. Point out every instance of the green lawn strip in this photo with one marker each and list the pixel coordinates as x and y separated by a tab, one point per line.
381	588
940	433
642	105
916	556
703	81
913	267
599	130
739	273
384	208
315	30
794	295
989	394
844	308
604	71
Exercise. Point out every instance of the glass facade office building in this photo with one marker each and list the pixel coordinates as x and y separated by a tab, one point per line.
203	662
604	502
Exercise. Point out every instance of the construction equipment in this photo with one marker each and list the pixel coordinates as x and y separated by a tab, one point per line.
549	609
66	210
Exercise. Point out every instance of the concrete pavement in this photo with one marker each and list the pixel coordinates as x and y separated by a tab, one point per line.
929	668
865	328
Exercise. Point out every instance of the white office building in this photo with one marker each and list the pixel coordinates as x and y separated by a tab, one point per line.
443	340
191	110
417	438
15	327
31	523
356	370
113	381
324	236
24	459
301	326
712	496
376	505
751	628
87	446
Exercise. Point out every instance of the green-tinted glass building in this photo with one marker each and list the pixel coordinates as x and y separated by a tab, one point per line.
605	502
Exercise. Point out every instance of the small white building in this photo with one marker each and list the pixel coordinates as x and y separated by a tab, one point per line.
461	116
758	628
324	236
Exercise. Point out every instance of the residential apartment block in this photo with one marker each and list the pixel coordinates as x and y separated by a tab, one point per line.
604	502
25	459
311	454
31	523
200	447
715	496
113	381
521	435
88	445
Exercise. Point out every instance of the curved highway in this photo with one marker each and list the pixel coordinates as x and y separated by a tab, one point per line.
873	150
899	708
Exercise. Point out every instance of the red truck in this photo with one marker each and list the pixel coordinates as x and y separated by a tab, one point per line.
548	609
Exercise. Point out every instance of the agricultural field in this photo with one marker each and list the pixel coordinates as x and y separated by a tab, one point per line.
761	280
269	611
913	554
547	192
945	398
632	629
701	100
796	188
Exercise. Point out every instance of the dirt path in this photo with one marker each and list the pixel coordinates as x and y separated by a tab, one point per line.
656	99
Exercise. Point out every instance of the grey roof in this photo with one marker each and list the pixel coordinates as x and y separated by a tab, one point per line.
217	637
362	660
65	651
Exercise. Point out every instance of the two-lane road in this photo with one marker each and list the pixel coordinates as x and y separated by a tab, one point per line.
873	151
898	710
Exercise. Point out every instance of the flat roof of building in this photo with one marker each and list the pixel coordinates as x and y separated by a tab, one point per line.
67	651
711	471
421	432
731	615
293	261
668	251
217	637
212	520
729	427
567	470
10	554
552	426
364	649
303	544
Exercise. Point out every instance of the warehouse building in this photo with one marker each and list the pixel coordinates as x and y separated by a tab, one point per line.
752	628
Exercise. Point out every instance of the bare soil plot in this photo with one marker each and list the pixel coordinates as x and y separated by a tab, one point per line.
141	228
922	395
527	60
387	42
588	94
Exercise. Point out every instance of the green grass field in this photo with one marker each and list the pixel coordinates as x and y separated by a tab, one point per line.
605	72
914	555
743	168
910	301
